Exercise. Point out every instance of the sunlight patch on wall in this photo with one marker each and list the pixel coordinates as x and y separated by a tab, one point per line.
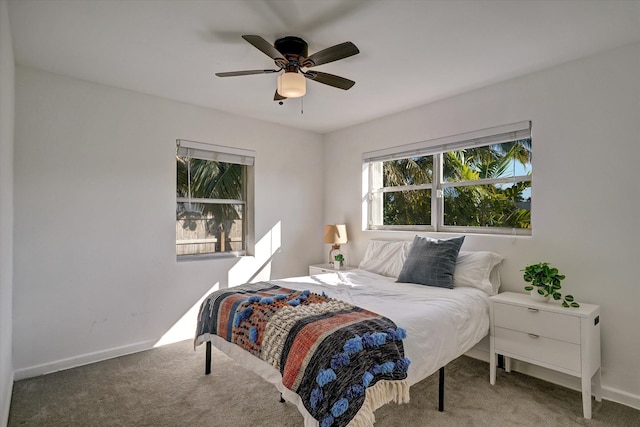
258	267
185	327
246	269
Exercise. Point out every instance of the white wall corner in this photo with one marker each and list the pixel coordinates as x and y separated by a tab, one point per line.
6	404
7	120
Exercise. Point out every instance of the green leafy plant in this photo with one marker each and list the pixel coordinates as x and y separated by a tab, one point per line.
546	280
339	258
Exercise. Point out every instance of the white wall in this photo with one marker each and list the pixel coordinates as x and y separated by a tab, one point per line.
585	188
7	78
95	267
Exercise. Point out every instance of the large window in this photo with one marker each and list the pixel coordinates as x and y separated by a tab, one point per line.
212	206
476	182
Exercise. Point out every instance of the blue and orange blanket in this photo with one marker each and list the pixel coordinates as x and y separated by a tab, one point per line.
343	361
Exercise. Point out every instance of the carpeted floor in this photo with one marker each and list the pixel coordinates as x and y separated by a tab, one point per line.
167	387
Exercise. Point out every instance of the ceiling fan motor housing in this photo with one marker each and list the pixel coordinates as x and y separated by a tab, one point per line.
291	45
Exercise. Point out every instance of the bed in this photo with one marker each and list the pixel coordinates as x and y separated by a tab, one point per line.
428	326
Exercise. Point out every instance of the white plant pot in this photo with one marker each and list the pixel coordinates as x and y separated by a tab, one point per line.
336	265
537	297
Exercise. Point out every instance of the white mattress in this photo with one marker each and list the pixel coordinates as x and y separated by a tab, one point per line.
441	324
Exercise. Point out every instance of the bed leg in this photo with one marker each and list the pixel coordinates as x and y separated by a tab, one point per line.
441	390
281	398
207	363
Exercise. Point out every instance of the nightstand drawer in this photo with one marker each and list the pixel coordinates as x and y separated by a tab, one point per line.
538	349
539	322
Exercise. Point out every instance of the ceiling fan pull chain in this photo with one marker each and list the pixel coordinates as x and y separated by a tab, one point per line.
302	105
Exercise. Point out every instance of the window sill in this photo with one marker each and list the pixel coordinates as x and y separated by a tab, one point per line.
518	232
225	255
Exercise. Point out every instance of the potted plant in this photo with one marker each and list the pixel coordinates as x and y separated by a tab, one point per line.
545	282
337	261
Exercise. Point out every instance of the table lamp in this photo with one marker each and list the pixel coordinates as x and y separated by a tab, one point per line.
335	235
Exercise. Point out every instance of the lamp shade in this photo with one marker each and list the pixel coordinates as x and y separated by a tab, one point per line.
335	234
291	85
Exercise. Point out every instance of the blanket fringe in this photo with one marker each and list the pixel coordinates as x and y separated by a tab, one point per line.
380	394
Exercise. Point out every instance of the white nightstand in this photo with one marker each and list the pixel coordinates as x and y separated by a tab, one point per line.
326	268
549	335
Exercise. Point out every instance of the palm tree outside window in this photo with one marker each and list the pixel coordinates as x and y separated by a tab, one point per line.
211	199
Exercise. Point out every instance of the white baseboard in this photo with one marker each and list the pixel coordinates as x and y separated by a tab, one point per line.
608	393
84	359
478	353
622	397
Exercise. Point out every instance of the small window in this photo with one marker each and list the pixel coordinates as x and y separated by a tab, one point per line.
212	199
478	182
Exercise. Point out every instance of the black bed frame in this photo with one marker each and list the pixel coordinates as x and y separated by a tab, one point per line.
207	371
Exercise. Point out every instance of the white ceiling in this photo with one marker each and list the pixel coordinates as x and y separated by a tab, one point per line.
411	52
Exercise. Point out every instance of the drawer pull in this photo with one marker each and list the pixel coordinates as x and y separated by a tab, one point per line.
534	336
533	310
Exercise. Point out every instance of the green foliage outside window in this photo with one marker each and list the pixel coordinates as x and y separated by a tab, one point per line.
210	180
409	207
475	205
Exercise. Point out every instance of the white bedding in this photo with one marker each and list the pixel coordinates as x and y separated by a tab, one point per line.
441	324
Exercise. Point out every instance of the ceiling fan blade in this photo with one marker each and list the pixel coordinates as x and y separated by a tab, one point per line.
330	79
245	73
330	54
266	47
278	97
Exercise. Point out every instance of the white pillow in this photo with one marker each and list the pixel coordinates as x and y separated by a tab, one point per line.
478	270
385	257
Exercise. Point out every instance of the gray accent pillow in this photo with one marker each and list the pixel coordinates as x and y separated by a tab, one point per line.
431	262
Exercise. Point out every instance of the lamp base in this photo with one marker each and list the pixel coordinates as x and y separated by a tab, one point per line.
333	253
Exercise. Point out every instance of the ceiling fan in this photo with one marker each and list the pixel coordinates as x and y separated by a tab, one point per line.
290	54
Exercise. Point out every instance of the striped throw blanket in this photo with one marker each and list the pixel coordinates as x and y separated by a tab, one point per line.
343	361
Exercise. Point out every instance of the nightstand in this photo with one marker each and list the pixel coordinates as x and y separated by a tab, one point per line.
549	335
326	268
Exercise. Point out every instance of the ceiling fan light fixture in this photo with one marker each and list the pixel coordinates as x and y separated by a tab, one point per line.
291	84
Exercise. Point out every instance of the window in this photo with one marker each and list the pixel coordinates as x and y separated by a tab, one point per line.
478	182
212	199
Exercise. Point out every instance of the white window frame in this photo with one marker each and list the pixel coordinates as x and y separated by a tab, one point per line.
372	169
219	153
